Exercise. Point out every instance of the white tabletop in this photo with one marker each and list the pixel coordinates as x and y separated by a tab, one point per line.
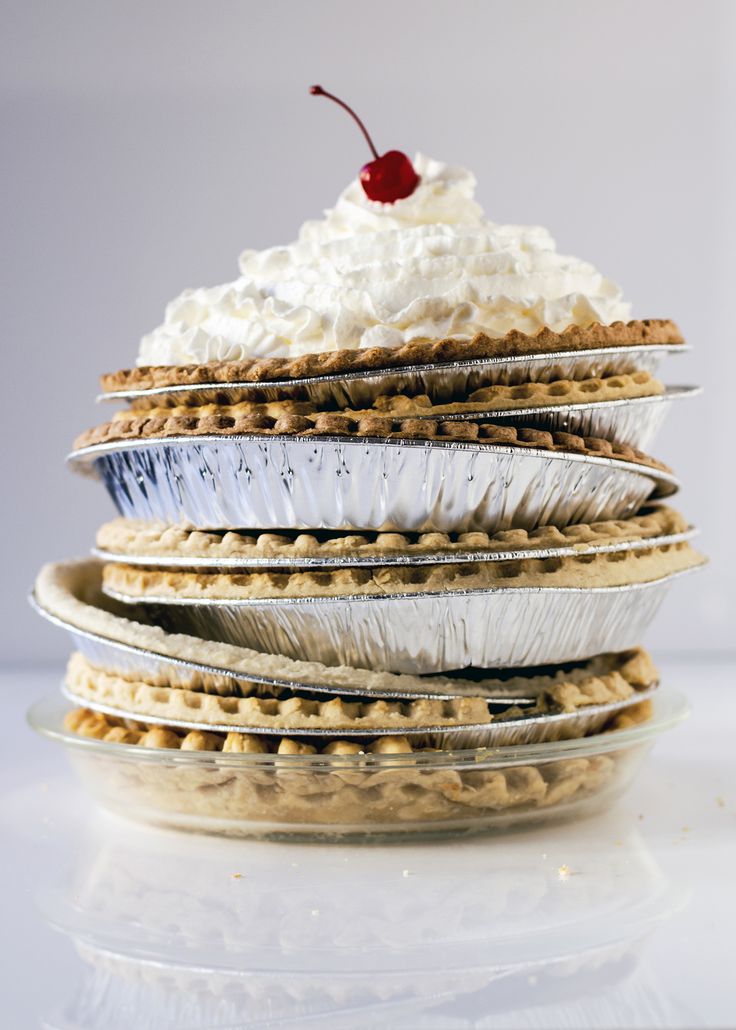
623	920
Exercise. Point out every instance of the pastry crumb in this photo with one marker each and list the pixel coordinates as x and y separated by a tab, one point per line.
564	871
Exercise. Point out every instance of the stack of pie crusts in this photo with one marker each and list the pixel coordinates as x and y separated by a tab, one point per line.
390	534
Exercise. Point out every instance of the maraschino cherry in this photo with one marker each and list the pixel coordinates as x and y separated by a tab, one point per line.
390	176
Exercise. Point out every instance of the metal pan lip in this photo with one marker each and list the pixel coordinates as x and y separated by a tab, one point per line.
84	457
671	708
672	393
297	686
452	366
556	718
281	602
347	561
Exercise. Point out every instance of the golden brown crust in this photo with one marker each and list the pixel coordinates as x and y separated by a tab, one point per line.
574	338
624	386
618	568
331	424
595	389
136	538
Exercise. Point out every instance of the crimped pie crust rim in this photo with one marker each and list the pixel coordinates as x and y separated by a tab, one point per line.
233	551
483	758
264	370
186	389
61	581
348	734
439	579
624	679
335	425
355	598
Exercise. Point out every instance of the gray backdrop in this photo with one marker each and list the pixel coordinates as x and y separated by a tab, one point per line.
146	144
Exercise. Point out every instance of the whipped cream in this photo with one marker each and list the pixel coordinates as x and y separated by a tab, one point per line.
379	275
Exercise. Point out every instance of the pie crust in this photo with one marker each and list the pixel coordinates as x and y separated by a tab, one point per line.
344	786
88	722
135	427
137	538
420	352
70	591
281	714
618	568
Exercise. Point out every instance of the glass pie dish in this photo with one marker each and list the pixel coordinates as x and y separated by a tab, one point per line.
374	796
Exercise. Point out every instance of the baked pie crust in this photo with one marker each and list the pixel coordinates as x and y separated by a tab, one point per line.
618	568
613	678
70	591
344	785
136	427
420	352
139	539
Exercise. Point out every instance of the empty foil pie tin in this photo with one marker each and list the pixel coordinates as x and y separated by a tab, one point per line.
425	633
292	482
350	560
441	382
530	729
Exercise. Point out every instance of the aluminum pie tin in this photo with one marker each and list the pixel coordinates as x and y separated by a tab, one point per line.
440	381
634	421
536	729
349	560
292	482
425	633
152	667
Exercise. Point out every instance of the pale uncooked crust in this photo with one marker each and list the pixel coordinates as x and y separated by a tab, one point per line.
619	568
145	700
420	352
137	538
350	788
71	592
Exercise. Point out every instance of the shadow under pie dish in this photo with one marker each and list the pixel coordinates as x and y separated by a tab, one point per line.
419	619
232	784
412	475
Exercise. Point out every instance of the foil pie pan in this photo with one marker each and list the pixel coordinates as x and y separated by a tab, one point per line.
531	729
633	421
442	382
152	667
425	633
350	560
291	482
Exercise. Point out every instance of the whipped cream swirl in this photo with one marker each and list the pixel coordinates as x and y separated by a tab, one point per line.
380	275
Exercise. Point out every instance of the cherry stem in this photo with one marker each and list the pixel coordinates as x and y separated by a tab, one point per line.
317	91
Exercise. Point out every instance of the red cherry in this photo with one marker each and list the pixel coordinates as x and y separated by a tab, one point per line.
390	176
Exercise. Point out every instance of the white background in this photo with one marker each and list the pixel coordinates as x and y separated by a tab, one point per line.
146	144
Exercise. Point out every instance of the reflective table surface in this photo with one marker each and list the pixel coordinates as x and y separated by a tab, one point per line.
622	920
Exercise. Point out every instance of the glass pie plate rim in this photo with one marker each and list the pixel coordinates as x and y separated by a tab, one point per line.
670	707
